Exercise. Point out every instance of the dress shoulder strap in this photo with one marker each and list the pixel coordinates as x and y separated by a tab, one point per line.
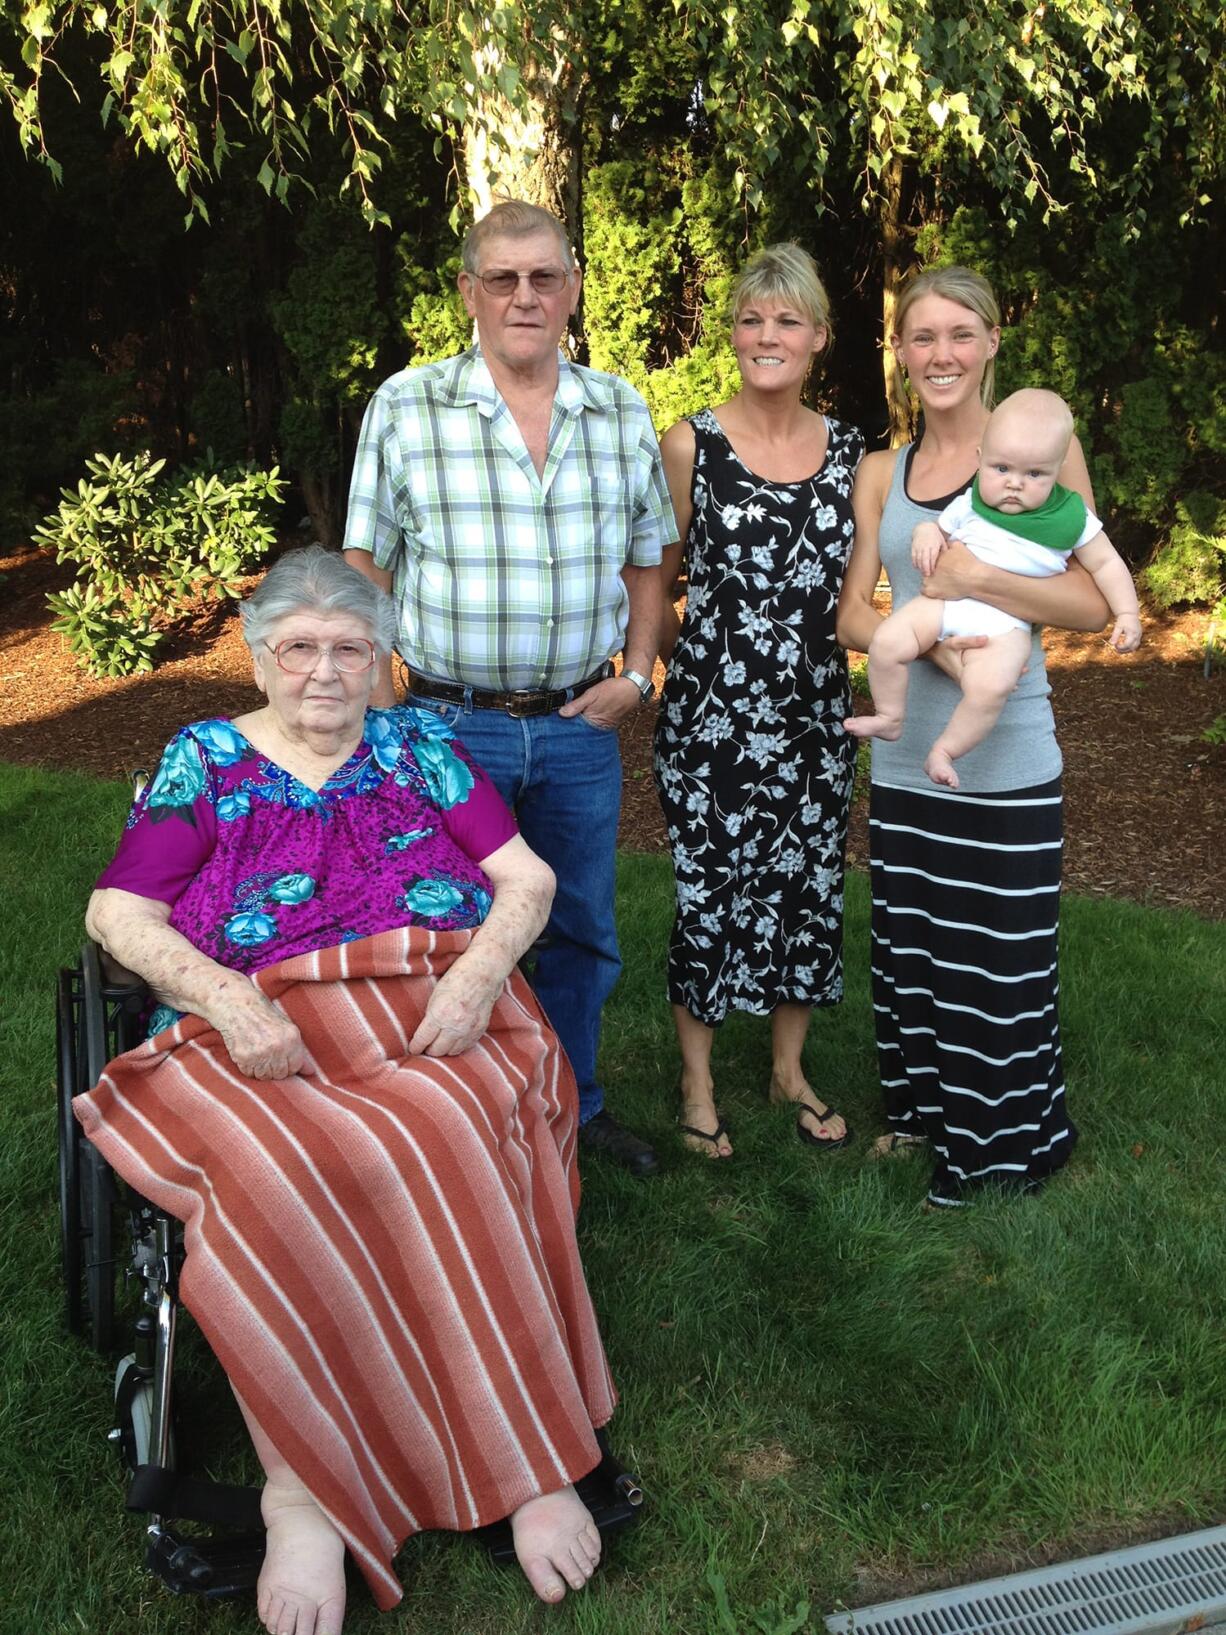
707	427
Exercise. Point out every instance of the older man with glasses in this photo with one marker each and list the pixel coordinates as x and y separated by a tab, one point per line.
515	505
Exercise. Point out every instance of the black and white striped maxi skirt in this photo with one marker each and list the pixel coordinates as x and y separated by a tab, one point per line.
966	898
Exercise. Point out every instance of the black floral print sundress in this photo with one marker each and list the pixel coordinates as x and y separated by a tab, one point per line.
752	764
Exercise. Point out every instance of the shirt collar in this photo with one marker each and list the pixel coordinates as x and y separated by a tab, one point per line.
582	389
469	382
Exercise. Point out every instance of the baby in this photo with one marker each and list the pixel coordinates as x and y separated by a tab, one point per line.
1015	515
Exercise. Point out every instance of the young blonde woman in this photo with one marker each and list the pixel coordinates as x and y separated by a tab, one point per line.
965	883
752	763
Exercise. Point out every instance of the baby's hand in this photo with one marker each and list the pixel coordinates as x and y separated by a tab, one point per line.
927	543
1126	637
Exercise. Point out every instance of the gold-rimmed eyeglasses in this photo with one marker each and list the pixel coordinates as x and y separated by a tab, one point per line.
298	656
544	280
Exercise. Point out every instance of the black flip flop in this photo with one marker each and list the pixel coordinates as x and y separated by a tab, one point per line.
828	1144
708	1135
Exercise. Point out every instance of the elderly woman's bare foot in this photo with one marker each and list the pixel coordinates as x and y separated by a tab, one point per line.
557	1543
302	1582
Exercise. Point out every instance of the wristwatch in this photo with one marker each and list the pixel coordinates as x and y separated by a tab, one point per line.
645	685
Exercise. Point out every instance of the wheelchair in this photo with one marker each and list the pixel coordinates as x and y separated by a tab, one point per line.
114	1243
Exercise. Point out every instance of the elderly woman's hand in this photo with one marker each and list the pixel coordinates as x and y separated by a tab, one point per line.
458	1012
263	1044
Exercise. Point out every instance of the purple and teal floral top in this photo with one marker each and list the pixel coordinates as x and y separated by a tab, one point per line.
258	867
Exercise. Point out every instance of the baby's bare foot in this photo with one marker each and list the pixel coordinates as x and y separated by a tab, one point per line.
302	1582
940	768
888	727
555	1540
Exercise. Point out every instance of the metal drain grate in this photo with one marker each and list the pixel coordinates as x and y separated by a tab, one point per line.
1153	1589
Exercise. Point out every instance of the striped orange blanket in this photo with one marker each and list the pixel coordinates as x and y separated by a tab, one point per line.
382	1252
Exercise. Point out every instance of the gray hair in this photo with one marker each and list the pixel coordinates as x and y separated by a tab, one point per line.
513	218
315	580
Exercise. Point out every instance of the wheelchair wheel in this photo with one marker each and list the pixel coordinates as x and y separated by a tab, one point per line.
100	1248
87	1186
72	1259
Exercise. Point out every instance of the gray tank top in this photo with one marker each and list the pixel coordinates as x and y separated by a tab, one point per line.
1021	750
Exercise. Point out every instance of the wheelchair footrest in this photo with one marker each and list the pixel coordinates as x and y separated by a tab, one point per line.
610	1492
168	1494
212	1567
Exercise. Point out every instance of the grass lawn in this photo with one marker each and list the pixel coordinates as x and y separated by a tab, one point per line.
828	1396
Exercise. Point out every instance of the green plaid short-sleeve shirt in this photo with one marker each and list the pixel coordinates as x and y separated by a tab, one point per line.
504	579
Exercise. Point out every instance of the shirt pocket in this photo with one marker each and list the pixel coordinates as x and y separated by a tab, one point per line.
607	500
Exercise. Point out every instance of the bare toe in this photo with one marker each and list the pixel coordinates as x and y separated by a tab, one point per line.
826	1125
590	1540
940	768
302	1582
703	1130
820	1120
544	1580
556	1540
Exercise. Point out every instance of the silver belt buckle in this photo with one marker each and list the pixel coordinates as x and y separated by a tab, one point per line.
523	702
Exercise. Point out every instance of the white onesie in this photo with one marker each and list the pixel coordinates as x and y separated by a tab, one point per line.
1000	549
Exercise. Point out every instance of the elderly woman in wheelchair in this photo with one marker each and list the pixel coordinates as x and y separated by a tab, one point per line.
351	1099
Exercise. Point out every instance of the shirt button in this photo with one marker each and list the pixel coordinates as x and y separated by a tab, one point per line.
549	562
549	622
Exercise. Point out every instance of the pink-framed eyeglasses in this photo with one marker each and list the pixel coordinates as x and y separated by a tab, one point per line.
298	657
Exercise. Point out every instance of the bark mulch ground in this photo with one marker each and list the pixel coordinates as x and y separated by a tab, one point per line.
1144	792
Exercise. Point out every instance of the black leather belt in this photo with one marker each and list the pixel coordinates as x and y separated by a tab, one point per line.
517	704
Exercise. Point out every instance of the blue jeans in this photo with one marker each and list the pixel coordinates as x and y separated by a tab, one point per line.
563	780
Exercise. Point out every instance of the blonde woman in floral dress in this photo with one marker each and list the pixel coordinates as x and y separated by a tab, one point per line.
752	763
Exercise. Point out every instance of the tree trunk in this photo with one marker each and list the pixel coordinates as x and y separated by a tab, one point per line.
320	495
894	262
532	152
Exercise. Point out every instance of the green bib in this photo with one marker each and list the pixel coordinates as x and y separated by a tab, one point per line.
1058	523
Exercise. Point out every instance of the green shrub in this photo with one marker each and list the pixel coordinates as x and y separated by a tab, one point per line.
1148	388
51	416
145	546
633	260
1191	566
1146	452
330	326
216	418
660	262
436	323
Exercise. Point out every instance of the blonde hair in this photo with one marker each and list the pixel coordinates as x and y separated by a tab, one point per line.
788	274
965	288
513	218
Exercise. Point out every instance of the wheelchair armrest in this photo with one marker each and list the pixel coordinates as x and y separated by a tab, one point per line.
107	987
118	979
